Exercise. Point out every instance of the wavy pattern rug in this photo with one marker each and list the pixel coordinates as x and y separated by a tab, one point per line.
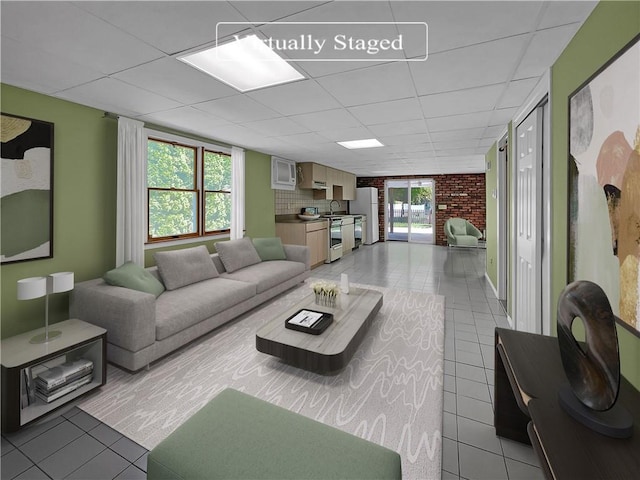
391	392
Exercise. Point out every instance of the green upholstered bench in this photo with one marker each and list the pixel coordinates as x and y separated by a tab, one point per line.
238	436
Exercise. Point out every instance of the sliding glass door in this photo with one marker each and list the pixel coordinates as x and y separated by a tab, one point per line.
409	212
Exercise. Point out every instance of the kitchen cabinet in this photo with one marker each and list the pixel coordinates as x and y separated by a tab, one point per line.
315	235
348	186
340	185
348	235
311	175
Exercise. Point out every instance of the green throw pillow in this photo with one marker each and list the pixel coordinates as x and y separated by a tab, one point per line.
269	248
133	276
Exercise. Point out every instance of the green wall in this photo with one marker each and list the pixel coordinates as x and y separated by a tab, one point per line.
491	180
260	205
85	150
610	26
84	202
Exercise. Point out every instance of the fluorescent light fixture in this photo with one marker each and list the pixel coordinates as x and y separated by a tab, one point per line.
245	63
367	143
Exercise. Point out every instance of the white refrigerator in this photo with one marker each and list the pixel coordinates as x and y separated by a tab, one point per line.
366	203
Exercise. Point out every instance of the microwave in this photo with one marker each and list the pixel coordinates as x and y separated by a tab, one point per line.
283	174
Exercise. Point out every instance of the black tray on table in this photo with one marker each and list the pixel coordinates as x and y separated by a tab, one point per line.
318	321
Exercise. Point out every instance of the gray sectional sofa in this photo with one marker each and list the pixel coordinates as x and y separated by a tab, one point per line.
199	292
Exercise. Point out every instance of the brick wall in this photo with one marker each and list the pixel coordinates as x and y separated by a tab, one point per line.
463	194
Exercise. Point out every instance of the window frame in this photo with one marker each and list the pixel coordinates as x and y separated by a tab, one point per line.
199	147
205	191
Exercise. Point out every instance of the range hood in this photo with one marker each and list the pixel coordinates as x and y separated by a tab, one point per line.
319	185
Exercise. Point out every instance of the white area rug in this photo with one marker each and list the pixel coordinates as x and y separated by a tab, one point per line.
391	392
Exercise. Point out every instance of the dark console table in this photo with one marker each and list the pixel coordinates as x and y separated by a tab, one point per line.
528	373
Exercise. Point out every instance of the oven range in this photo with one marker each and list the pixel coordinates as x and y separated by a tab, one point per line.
335	239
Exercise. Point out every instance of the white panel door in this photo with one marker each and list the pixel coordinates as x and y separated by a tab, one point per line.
528	223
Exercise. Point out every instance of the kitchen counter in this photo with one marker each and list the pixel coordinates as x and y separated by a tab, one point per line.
297	220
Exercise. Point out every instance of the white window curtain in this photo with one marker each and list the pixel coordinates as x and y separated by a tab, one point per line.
237	193
132	187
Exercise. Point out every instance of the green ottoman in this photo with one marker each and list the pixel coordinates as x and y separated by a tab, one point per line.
238	436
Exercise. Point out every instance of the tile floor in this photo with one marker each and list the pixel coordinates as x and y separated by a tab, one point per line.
471	449
71	445
75	445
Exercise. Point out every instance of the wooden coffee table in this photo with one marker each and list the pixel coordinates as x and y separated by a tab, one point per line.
332	349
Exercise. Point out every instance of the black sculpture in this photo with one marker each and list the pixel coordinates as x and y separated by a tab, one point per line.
592	367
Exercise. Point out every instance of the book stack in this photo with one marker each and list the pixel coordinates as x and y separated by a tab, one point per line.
58	381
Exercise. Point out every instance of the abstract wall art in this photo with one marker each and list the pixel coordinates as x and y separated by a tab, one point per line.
604	183
26	189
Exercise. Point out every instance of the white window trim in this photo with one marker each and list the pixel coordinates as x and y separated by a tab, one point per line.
170	137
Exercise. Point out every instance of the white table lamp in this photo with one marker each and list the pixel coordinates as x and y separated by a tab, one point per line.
36	287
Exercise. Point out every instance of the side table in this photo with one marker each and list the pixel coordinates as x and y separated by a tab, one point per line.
528	374
22	360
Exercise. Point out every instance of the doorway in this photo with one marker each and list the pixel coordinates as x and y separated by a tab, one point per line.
409	214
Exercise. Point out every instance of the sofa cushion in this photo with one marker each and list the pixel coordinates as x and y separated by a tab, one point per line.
459	229
186	306
269	248
266	275
237	254
130	275
179	268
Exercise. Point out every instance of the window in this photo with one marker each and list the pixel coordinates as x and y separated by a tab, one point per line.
188	190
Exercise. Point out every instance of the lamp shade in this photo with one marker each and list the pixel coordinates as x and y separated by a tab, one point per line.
60	282
32	287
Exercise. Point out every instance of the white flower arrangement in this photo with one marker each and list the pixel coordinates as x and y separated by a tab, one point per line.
326	293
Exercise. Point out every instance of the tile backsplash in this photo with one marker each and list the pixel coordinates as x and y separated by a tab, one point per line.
292	201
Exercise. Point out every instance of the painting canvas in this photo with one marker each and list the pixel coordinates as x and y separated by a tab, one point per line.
604	183
26	195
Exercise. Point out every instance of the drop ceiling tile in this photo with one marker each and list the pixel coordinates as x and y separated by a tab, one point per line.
304	96
486	142
475	66
326	120
238	108
77	37
458	24
447	135
461	143
172	26
304	139
342	134
461	101
186	118
31	68
174	79
456	152
399	128
386	112
494	131
232	133
118	97
393	82
544	49
561	13
470	120
261	11
276	127
404	149
517	92
416	138
502	116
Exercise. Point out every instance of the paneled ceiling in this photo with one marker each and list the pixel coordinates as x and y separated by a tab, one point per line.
435	116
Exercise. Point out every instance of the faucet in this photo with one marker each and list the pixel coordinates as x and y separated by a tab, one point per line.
331	206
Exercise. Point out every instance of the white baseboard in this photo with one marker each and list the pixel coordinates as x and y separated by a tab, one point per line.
495	291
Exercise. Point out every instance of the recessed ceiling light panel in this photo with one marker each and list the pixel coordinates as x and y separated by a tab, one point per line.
366	143
245	63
